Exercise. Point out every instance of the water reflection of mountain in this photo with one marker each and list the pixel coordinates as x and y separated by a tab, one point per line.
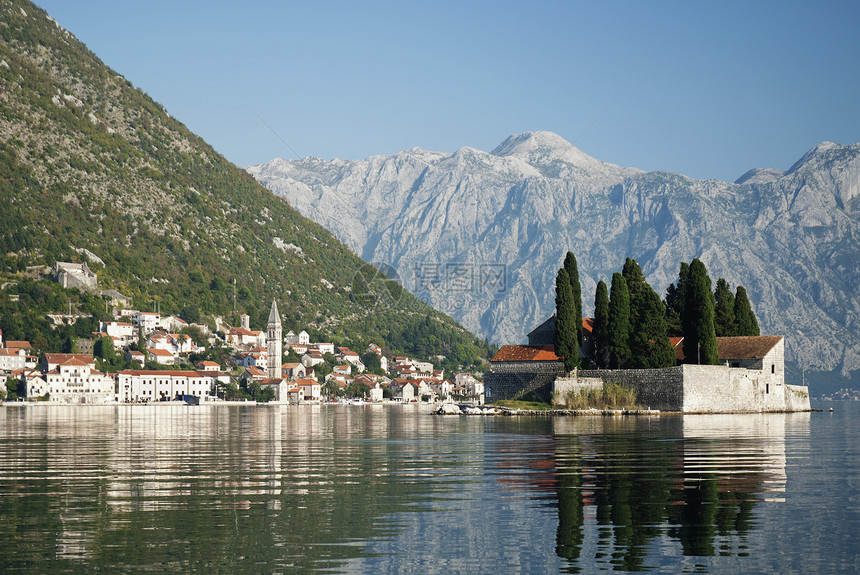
628	487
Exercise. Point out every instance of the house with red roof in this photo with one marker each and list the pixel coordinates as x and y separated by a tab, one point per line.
71	378
160	356
241	338
254	373
12	359
208	366
311	390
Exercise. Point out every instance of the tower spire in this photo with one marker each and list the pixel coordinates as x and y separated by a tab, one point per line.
274	316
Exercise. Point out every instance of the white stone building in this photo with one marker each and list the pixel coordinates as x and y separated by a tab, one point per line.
156	385
72	378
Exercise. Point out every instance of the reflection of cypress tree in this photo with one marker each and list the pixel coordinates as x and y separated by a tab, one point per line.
632	497
698	518
637	491
734	513
641	493
570	515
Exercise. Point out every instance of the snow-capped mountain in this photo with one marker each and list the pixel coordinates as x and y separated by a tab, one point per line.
451	223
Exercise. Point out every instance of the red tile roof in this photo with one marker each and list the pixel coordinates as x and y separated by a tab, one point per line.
162	372
526	353
740	347
159	352
749	347
64	357
587	326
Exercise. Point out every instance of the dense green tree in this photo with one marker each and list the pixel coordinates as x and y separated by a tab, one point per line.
600	332
619	322
724	310
372	363
700	339
675	298
566	345
745	320
190	313
255	390
649	342
104	350
13	387
572	269
635	280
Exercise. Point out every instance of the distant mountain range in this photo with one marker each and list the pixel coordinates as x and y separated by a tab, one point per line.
450	223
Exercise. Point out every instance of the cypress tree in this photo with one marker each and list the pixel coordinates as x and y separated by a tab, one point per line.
724	310
619	322
566	345
745	321
573	272
675	299
649	342
601	325
635	279
700	339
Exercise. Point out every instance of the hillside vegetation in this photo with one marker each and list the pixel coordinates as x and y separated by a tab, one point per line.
88	161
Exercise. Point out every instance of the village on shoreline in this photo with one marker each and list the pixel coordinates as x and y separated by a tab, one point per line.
264	366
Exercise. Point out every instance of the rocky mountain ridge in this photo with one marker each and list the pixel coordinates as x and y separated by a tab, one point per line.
449	222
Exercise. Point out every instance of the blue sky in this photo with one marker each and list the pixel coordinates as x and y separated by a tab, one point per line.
705	89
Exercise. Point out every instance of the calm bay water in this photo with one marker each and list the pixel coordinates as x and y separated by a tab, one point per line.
395	489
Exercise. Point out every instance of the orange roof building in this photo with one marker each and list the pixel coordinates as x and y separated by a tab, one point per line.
521	353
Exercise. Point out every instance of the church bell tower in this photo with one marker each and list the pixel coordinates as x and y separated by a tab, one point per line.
274	342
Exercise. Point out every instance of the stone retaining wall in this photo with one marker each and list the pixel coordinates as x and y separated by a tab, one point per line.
661	389
513	379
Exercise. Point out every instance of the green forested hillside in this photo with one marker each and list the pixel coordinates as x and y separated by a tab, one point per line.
88	161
